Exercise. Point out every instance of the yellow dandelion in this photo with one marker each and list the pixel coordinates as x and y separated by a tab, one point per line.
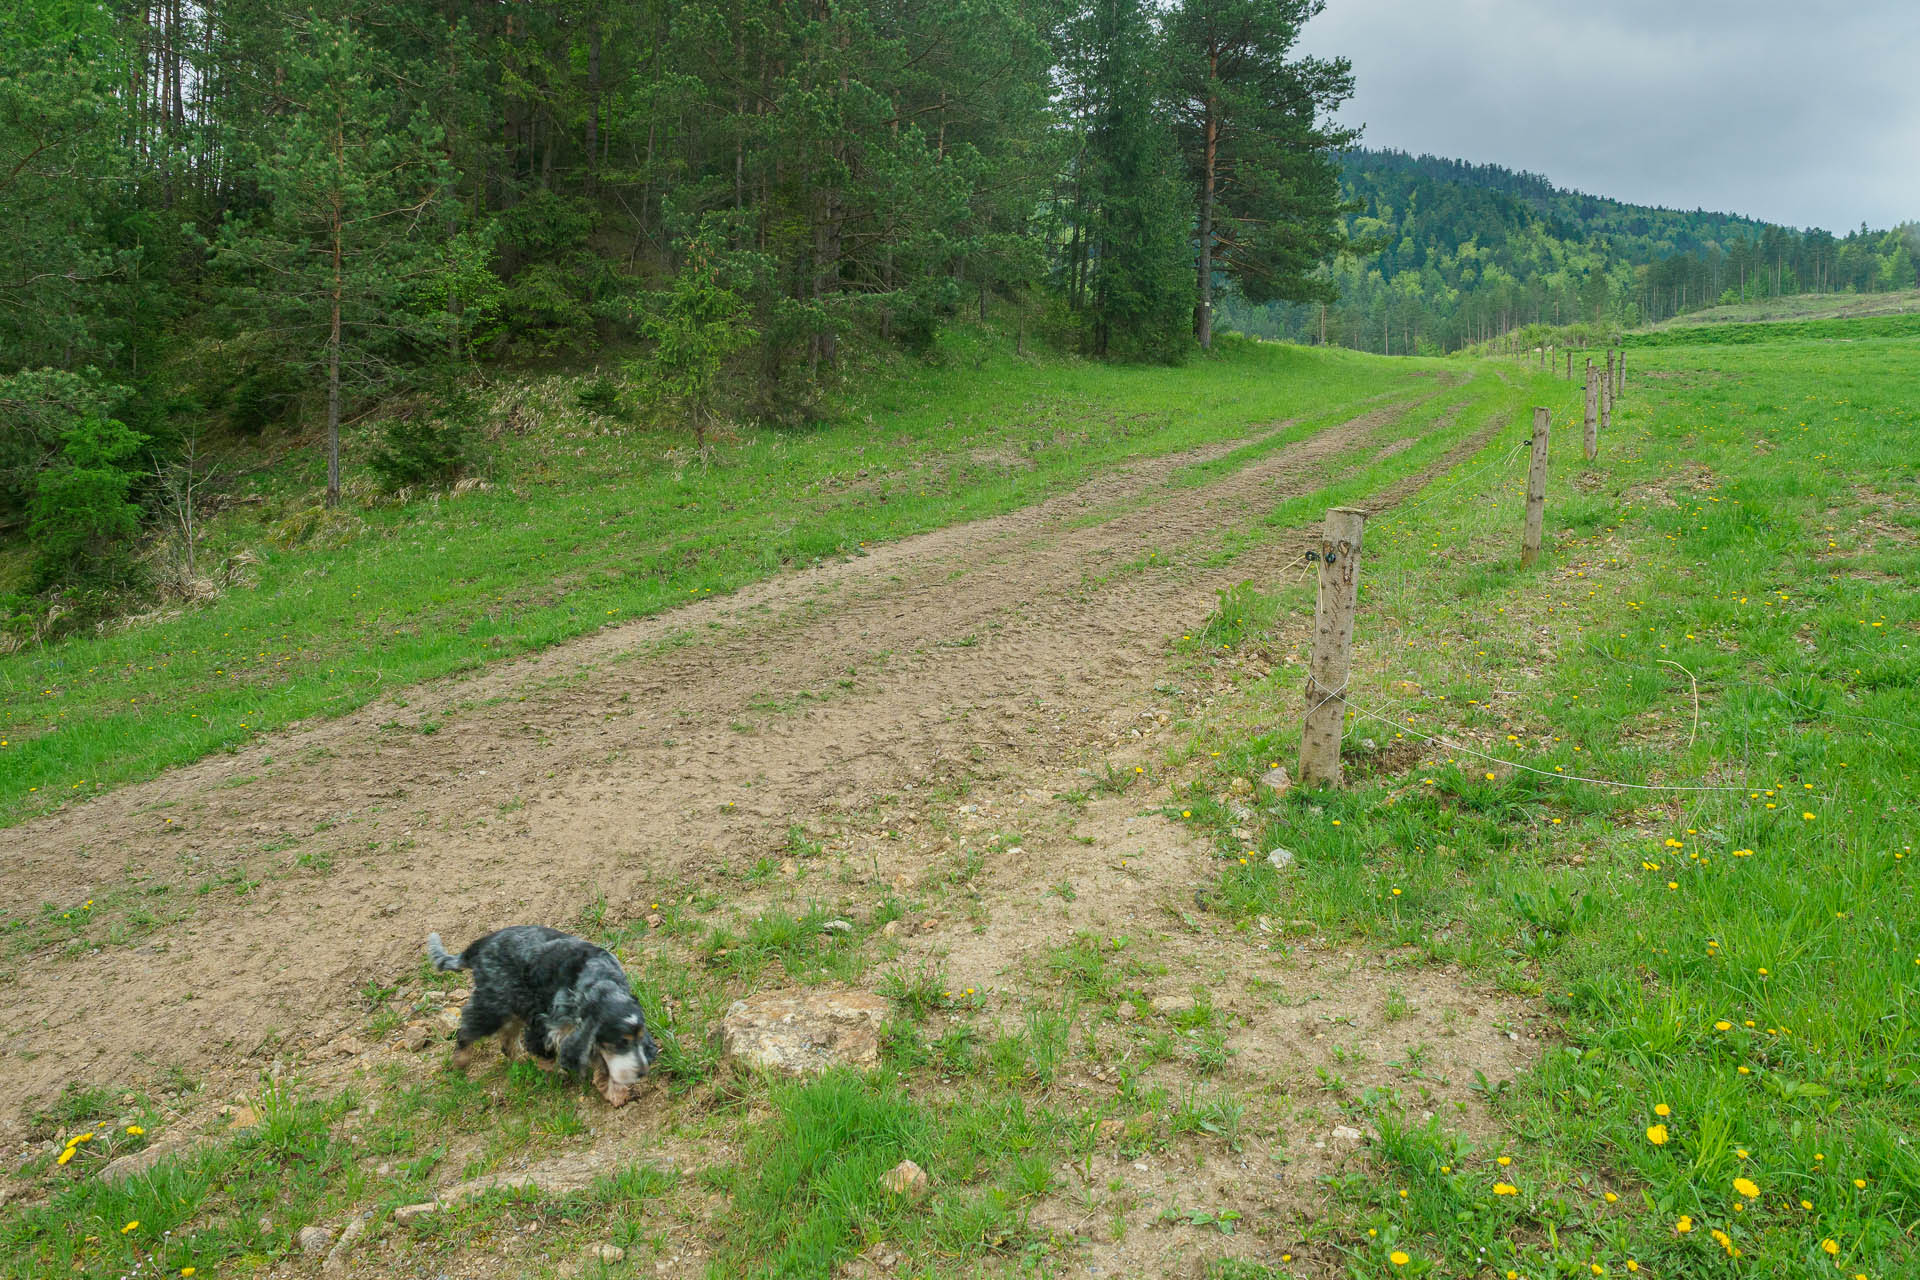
1662	1109
1612	1198
1831	1246
1657	1135
1747	1188
1861	1183
1684	1224
1398	1258
1723	1025
130	1226
1505	1189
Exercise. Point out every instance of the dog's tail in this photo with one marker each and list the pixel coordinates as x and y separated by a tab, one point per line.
441	957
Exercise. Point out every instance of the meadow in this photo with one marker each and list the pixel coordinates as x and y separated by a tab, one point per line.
1651	803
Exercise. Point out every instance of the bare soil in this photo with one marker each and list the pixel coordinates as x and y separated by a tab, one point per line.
1006	659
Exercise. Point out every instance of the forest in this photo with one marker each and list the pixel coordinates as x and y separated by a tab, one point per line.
1467	252
241	215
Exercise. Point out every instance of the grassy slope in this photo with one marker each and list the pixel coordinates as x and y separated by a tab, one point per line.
596	522
1805	306
1737	959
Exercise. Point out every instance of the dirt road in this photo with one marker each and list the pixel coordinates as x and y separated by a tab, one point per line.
674	751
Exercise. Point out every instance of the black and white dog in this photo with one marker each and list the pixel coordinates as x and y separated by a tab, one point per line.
568	999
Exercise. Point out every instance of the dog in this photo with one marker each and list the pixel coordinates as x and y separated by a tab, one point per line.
565	999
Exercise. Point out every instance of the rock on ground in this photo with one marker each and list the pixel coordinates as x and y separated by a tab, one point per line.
803	1033
906	1179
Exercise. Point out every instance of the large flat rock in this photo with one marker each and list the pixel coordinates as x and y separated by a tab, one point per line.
803	1032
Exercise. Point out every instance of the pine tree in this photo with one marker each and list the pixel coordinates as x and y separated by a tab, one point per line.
1129	265
1258	148
335	259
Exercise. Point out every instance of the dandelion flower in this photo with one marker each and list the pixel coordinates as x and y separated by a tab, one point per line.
130	1226
1612	1198
1861	1183
1662	1109
1747	1188
135	1130
1831	1246
1657	1135
1398	1258
1505	1189
1684	1225
1504	1161
1723	1025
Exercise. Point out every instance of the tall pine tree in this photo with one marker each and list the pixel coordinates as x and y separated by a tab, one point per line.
1258	147
335	259
1128	260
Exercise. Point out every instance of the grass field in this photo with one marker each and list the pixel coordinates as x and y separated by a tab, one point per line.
1727	642
1654	798
1802	306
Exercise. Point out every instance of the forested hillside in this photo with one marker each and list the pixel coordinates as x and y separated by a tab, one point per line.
1466	252
245	217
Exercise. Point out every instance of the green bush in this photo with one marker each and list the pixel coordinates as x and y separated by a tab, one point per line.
601	396
81	521
420	452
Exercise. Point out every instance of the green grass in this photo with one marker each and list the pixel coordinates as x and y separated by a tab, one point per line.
1741	950
592	523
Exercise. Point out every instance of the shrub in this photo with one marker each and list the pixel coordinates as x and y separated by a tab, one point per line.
430	452
80	520
601	396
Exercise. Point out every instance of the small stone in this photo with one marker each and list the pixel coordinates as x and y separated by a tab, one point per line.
1165	1005
1346	1133
837	926
654	919
610	1253
906	1179
384	1171
347	1046
1277	781
336	1263
1240	787
789	867
408	1214
241	1117
415	1038
1126	1012
314	1240
890	928
1279	859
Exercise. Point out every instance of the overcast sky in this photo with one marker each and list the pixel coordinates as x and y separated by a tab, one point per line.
1805	113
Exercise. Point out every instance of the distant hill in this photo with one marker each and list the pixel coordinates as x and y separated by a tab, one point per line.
1460	253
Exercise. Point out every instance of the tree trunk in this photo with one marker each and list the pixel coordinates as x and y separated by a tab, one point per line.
593	102
1203	307
333	329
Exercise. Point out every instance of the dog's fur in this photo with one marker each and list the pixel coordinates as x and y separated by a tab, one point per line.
563	997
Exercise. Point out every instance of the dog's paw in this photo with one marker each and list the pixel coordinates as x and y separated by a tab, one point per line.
617	1095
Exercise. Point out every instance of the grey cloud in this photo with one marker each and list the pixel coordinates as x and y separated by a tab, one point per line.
1807	114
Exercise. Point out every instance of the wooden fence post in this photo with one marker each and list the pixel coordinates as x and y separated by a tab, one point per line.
1606	403
1620	374
1339	556
1592	424
1537	487
1569	366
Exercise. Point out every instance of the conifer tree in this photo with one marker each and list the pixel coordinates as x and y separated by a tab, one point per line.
1258	148
346	231
1129	207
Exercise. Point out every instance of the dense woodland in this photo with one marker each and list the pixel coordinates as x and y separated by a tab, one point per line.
1469	252
236	216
